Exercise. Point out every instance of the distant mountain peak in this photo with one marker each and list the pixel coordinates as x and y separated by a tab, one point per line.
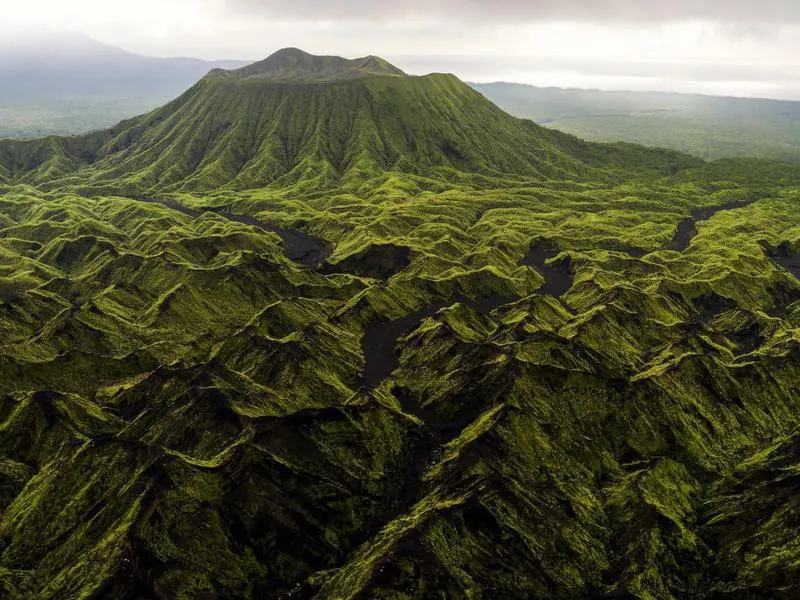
293	64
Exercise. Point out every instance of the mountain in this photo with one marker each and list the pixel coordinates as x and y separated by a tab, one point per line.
319	121
65	83
706	126
294	65
354	334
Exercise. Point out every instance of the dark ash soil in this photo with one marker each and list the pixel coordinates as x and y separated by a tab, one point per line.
687	229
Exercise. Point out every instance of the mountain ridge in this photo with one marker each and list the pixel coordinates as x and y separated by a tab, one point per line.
295	65
298	118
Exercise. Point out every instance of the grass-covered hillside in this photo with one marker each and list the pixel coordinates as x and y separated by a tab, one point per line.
253	128
374	338
707	126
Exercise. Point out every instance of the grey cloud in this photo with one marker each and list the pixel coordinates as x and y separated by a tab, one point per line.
509	11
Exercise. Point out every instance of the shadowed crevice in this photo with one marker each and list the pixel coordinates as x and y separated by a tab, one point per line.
378	261
299	247
557	276
687	229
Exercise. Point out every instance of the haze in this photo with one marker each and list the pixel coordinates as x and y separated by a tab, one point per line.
730	48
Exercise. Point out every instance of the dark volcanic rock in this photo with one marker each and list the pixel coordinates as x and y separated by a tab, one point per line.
557	277
687	229
380	261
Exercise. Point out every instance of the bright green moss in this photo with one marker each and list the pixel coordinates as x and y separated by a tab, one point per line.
185	411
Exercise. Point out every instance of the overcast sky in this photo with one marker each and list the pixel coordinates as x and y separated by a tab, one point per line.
738	47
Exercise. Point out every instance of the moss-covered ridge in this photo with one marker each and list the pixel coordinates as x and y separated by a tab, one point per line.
499	377
165	368
292	64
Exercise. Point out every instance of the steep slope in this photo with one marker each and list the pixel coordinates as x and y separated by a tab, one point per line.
276	123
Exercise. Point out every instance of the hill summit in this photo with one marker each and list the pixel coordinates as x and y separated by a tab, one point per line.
293	64
315	121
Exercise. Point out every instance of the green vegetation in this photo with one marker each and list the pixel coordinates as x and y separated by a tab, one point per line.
294	65
707	126
191	406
